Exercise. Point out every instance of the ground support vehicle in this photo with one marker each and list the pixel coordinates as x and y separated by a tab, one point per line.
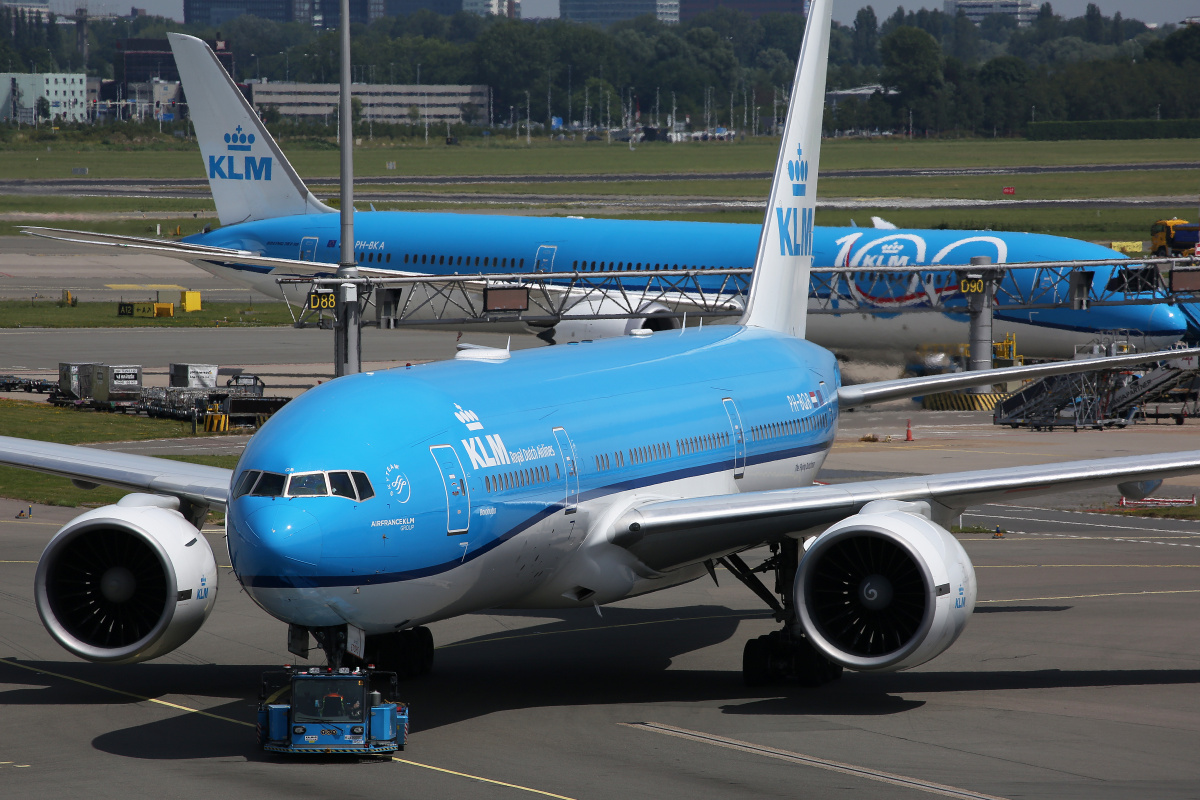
327	710
1174	237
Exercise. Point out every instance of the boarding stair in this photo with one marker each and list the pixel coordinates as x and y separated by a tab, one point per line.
1094	399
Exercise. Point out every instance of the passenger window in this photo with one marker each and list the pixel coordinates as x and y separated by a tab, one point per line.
245	483
308	484
340	485
557	474
389	258
269	485
365	492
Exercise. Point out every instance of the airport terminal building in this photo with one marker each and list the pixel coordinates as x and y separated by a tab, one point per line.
384	103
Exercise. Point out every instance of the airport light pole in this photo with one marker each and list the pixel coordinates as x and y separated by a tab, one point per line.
347	339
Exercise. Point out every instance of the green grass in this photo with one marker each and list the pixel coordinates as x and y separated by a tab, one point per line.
1068	185
49	423
50	314
505	157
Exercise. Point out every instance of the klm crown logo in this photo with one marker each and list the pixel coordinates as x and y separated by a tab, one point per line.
238	140
798	173
231	168
796	224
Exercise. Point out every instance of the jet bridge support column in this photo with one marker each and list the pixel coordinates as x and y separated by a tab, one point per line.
979	286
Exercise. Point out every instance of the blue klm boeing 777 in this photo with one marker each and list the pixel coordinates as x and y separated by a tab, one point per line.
273	225
559	477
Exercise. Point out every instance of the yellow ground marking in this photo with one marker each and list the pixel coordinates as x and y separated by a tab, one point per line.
745	615
28	521
482	780
892	778
243	723
1087	596
158	286
18	562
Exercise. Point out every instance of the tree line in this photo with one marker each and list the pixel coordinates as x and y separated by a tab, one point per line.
940	74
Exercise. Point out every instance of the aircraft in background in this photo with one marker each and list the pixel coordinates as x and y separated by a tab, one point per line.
273	225
561	477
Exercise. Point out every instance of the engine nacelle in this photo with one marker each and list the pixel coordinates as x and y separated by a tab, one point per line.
885	589
649	316
126	583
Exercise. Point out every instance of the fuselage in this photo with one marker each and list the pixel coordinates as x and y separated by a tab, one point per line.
497	483
441	243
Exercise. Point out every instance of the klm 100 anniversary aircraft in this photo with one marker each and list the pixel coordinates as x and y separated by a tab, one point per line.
617	467
274	226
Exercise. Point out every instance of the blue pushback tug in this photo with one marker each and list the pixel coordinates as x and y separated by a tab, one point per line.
342	710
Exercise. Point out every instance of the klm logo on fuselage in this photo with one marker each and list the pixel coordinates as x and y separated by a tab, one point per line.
489	453
796	224
226	167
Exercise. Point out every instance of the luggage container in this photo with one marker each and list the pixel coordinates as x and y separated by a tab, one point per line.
193	376
112	383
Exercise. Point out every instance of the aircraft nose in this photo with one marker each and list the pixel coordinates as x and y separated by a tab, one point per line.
286	532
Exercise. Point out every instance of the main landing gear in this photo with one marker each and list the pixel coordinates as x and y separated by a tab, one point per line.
785	654
408	653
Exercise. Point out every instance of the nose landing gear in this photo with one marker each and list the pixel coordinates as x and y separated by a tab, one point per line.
785	654
408	653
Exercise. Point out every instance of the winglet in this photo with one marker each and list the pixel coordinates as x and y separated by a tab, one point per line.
249	176
779	291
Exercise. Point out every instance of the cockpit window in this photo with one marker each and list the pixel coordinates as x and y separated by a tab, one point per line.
340	485
365	492
269	485
245	483
308	484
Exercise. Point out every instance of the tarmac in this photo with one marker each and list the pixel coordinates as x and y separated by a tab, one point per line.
1076	678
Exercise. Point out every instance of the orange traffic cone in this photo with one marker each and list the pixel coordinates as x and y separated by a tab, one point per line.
908	437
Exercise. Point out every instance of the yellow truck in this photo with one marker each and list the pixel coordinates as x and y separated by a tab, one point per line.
1173	237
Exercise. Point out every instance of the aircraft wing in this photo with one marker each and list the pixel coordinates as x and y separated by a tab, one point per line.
674	533
196	483
198	252
861	393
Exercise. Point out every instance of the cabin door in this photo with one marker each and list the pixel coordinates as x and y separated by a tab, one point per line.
544	260
739	437
570	468
308	248
458	502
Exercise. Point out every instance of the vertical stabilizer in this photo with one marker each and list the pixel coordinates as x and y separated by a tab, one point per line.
248	173
779	291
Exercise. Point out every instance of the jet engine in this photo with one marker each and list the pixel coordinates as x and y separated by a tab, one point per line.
649	316
885	589
126	583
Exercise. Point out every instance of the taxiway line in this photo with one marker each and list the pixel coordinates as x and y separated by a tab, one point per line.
223	718
813	761
1088	596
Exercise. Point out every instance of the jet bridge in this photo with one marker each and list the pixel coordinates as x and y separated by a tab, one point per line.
665	298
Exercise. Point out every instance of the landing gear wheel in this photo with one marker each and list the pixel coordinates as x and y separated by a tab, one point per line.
756	662
424	639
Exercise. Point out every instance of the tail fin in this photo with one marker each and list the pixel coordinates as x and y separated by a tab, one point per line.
248	173
779	291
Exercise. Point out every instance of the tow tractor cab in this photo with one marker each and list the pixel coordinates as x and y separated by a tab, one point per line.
327	710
